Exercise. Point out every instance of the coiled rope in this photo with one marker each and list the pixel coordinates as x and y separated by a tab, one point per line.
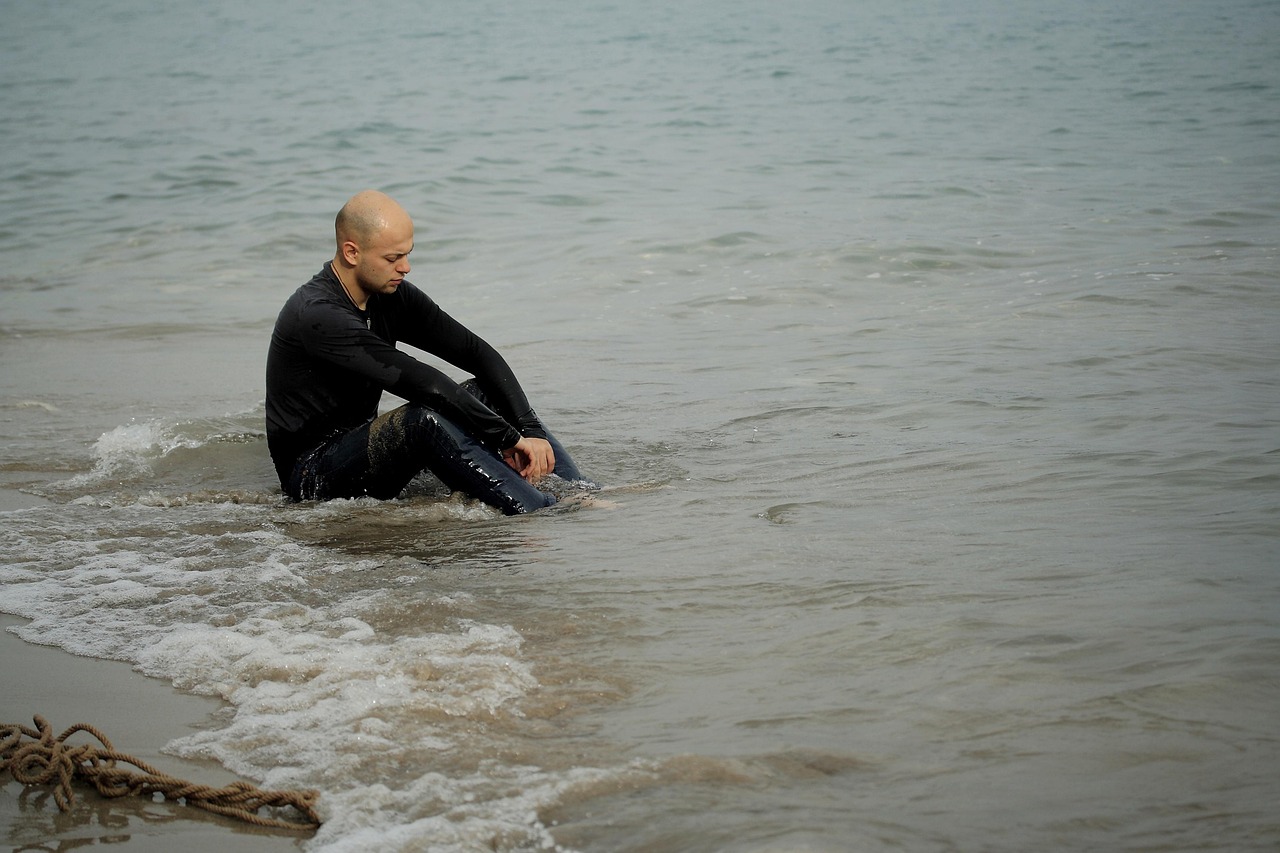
36	757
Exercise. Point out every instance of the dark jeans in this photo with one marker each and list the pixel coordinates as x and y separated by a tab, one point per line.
379	458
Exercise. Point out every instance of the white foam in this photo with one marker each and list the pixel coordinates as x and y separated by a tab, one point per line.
218	599
468	813
130	450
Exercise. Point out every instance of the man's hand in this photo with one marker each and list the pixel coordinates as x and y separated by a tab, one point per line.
532	458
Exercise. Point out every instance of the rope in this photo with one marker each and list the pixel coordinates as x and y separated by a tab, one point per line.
46	760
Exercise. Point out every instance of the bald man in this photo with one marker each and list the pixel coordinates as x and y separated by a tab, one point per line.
333	352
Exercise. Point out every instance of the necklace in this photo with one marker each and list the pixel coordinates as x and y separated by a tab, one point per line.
344	288
368	321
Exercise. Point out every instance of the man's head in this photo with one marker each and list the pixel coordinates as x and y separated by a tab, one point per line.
374	237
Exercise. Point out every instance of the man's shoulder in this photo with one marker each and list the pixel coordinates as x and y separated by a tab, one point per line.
407	300
320	286
318	292
409	292
311	303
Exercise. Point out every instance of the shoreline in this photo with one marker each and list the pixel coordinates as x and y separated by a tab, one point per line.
140	715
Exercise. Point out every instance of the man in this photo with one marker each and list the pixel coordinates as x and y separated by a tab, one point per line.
333	353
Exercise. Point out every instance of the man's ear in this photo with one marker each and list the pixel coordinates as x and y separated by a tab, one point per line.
350	252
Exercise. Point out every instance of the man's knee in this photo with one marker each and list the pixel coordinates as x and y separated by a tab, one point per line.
404	434
415	437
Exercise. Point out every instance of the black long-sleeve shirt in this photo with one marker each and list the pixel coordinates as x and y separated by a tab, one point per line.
329	363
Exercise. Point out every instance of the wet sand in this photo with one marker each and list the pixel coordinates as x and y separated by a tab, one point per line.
140	715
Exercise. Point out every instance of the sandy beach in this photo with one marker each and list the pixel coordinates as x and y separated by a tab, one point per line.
140	715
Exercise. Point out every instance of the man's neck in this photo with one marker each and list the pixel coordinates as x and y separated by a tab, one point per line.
353	291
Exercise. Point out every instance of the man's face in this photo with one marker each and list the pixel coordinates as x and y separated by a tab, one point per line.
384	262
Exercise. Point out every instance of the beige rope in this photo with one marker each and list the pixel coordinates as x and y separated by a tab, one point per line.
46	760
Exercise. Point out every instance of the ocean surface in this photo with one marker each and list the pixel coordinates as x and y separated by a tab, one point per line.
929	354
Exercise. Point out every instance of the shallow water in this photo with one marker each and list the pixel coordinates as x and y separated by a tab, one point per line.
929	355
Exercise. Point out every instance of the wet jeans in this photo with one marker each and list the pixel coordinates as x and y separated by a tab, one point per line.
379	458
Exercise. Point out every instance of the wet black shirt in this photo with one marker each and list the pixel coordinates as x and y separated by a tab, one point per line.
329	363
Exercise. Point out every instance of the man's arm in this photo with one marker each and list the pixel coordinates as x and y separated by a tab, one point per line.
429	328
336	335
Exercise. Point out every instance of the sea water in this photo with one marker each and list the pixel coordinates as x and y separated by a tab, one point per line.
929	353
